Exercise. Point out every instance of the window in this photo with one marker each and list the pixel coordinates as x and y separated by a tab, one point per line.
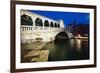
26	20
51	24
38	22
46	23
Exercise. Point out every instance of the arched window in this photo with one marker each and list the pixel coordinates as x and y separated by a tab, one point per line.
26	20
51	24
38	22
55	24
58	25
46	23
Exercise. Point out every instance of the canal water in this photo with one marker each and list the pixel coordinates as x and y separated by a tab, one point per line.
72	49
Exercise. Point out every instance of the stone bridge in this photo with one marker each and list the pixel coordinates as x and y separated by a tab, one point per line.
31	34
35	27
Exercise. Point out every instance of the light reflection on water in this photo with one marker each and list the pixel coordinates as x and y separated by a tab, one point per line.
78	44
73	49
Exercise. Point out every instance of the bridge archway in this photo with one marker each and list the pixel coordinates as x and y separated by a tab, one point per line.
38	22
61	37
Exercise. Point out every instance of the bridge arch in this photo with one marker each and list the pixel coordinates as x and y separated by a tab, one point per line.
62	35
26	20
46	23
38	22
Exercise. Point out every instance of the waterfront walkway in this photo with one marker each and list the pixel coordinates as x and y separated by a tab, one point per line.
34	45
36	53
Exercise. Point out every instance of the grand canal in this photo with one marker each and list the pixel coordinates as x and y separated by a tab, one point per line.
58	50
73	49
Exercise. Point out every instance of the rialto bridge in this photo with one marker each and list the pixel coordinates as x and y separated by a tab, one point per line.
35	27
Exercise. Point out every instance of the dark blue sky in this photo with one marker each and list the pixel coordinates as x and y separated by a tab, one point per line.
68	17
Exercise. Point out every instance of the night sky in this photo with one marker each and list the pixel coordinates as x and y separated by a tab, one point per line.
68	17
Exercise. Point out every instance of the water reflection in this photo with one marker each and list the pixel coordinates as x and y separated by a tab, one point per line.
71	43
73	49
78	44
75	43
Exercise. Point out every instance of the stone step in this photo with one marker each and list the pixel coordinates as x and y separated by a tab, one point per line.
33	53
34	59
43	55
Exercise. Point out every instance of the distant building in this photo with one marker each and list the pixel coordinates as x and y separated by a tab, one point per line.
79	29
70	28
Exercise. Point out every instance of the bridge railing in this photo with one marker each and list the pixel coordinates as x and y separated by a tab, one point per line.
31	28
